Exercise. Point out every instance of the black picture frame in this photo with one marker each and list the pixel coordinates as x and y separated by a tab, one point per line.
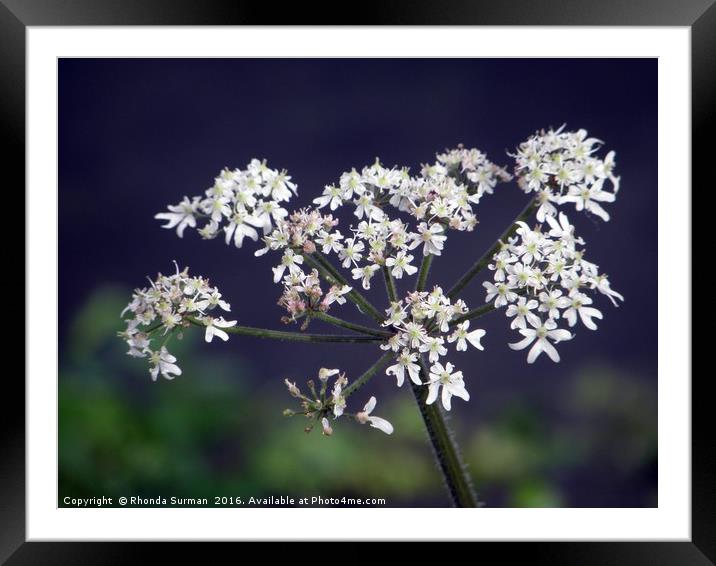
17	15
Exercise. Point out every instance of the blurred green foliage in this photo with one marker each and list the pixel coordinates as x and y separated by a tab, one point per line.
215	431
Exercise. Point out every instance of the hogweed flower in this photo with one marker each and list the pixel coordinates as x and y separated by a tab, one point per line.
171	302
323	407
398	223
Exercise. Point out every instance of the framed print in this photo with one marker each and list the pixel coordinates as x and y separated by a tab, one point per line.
375	282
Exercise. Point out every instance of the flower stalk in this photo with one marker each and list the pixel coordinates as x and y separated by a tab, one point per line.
368	374
455	475
333	276
457	479
349	325
295	336
481	263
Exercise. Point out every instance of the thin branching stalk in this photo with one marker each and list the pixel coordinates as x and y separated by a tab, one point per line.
350	325
389	284
333	276
474	313
423	273
368	374
485	259
293	336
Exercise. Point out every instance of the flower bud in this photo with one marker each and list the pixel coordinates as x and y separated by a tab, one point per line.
292	389
362	417
325	373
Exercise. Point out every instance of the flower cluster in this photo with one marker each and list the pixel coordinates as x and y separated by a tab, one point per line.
423	323
303	295
438	199
541	276
239	202
323	404
170	303
561	167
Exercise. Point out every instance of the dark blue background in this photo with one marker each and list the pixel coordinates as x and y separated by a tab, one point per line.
138	134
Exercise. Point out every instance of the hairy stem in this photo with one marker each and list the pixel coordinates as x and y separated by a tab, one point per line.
293	336
445	448
481	263
367	374
423	273
389	284
474	313
350	325
333	276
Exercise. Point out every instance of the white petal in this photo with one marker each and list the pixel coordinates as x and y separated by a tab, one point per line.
550	350
381	424
522	344
432	392
535	351
446	396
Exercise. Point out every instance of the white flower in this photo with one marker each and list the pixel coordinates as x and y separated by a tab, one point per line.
588	198
214	328
502	293
339	401
330	241
463	336
400	263
541	335
406	361
563	230
434	345
603	286
351	252
326	427
364	205
376	422
521	312
551	303
325	373
163	362
213	300
180	215
578	305
451	382
289	260
416	333
241	227
365	273
331	195
431	237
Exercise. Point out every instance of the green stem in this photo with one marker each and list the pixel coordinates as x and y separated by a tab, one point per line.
423	273
292	336
474	313
350	325
370	372
487	256
332	275
389	284
445	448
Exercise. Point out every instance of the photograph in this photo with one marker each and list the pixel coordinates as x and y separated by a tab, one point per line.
357	282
